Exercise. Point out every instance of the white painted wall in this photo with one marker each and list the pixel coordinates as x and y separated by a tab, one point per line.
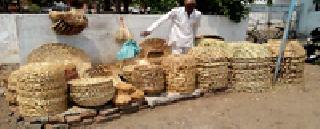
29	31
309	18
9	49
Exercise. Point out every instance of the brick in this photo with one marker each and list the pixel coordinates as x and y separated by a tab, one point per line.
87	121
33	120
33	126
100	119
13	109
88	113
110	111
57	118
129	109
72	119
56	126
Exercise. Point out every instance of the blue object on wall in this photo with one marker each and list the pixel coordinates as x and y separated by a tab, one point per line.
130	49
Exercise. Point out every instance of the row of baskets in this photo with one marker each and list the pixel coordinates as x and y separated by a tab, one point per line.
56	71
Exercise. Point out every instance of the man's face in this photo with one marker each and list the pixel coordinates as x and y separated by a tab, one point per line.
190	7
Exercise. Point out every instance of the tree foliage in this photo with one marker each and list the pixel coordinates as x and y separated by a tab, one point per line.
234	9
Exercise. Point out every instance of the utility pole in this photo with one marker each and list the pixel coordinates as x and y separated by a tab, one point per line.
284	40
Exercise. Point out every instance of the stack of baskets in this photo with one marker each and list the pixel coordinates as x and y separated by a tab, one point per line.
292	67
212	67
251	68
180	73
68	23
41	89
91	91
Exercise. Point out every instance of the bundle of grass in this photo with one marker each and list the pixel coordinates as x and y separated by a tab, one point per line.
123	34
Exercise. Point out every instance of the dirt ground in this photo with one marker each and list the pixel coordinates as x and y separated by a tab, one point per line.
289	107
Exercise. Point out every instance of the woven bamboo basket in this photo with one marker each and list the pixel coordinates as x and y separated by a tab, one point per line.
251	71
212	67
68	23
91	91
292	66
62	54
180	73
149	78
153	49
41	89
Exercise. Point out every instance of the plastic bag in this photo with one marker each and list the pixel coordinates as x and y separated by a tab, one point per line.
130	49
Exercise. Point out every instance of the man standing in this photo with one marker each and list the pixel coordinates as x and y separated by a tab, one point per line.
185	23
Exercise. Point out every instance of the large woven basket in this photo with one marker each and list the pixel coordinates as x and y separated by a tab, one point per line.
180	73
146	77
41	89
91	91
251	71
61	53
154	47
292	67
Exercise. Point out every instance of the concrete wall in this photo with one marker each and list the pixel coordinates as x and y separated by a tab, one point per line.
309	18
9	49
23	33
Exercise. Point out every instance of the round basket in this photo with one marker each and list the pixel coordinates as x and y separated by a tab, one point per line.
62	54
180	73
154	47
41	89
91	91
149	78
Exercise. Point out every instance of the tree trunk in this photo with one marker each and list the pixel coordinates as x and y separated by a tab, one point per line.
118	6
107	5
126	6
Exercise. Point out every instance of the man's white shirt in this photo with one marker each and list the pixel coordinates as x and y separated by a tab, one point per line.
183	29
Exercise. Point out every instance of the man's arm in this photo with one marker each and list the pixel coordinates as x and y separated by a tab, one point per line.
158	23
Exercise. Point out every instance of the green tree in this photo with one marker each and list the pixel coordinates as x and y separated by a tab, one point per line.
234	9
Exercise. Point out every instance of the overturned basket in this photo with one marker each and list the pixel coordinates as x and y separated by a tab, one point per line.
61	53
91	91
154	49
68	23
